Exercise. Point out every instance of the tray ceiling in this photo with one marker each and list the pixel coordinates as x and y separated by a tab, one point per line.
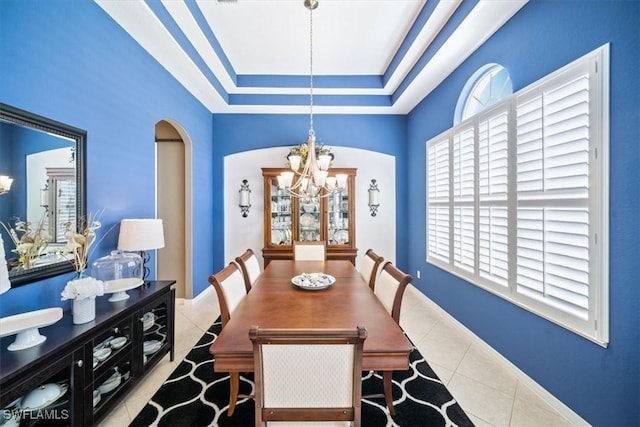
252	56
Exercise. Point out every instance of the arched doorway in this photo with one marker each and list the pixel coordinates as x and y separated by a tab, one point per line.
173	204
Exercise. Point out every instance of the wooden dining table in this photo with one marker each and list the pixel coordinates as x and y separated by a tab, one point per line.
275	302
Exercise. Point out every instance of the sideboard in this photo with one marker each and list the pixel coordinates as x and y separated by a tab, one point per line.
136	333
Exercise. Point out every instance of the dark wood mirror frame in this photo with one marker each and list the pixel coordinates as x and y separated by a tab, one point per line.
12	115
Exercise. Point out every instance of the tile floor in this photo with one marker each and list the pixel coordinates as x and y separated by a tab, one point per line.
483	384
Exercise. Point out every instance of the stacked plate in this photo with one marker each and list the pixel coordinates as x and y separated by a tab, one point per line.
110	384
43	396
152	346
148	320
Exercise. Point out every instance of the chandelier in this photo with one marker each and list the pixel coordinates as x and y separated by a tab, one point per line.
313	182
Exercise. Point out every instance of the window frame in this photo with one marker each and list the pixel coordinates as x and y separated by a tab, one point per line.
596	326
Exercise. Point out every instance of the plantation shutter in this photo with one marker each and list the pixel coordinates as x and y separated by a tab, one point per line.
552	195
518	198
493	167
463	199
438	196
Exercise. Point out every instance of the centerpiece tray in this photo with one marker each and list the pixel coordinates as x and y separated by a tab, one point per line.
313	281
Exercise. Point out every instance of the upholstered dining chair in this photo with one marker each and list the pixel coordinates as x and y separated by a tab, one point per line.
231	289
389	288
250	267
369	267
310	251
305	375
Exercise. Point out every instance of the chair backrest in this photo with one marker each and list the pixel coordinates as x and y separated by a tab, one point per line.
308	374
310	251
369	267
250	267
229	285
390	287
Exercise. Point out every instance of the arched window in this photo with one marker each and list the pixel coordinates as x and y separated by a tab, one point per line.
490	84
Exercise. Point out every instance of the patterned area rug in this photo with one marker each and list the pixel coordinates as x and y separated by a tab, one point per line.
194	395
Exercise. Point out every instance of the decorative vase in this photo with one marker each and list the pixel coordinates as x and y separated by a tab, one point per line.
84	310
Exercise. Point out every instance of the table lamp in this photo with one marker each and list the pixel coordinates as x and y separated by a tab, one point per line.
141	235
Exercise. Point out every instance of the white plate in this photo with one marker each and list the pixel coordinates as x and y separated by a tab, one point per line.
43	396
341	236
276	236
102	354
148	320
151	346
110	384
313	281
96	397
116	343
306	220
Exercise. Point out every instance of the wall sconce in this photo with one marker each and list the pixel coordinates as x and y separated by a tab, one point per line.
374	203
44	196
5	184
245	198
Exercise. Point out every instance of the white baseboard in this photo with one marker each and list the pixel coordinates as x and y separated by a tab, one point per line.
549	398
193	301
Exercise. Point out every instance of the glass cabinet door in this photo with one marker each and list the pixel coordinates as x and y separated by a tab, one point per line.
309	221
280	215
338	218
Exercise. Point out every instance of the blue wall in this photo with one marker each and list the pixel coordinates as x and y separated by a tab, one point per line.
69	61
602	385
384	134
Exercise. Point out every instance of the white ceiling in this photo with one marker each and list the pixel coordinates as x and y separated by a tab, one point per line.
369	56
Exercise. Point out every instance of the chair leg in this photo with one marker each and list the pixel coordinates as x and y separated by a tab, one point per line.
388	397
234	378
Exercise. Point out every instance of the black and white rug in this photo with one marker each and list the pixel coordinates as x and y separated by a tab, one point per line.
195	395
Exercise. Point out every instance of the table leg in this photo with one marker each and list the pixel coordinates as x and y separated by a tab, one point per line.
388	396
234	378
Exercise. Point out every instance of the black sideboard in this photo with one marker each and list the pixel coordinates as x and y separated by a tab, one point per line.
67	357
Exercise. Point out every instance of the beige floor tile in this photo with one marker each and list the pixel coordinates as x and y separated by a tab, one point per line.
118	417
418	321
443	348
443	373
485	368
531	410
479	422
482	401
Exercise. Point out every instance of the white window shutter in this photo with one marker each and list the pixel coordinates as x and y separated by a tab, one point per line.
517	198
438	195
552	192
463	198
493	175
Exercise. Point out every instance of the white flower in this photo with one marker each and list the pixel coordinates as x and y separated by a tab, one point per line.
86	287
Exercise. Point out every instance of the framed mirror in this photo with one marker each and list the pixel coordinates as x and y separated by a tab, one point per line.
44	162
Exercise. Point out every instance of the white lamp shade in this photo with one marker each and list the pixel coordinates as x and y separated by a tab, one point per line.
5	183
140	234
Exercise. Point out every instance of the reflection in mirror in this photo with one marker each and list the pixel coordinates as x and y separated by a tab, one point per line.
45	160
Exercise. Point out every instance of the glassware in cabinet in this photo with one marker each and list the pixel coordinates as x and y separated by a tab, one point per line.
281	211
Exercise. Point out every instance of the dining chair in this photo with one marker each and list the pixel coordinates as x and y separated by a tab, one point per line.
305	375
310	250
389	288
231	289
369	267
250	267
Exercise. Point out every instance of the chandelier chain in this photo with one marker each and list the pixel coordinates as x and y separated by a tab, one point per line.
311	131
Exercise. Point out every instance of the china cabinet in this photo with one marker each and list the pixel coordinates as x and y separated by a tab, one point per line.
87	369
288	218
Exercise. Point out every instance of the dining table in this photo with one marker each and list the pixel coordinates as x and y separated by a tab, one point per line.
274	301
